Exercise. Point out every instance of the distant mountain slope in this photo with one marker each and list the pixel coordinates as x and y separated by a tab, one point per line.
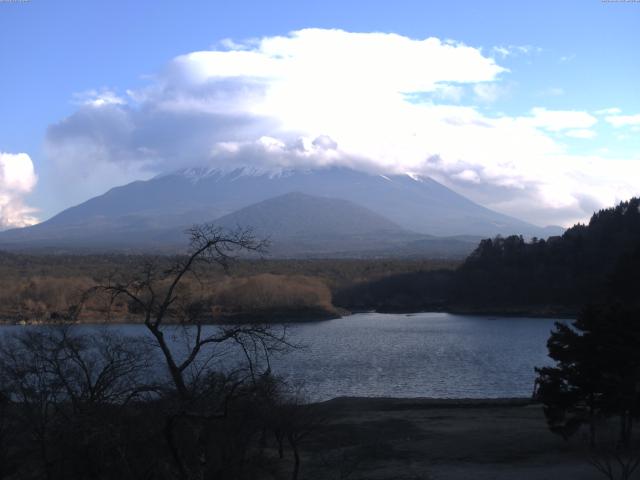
301	215
147	214
416	203
298	224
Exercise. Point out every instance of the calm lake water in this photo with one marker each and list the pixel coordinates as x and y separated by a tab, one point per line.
435	355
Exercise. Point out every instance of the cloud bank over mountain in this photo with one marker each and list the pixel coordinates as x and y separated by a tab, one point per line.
374	101
17	179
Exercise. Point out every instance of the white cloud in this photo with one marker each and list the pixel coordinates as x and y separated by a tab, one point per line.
557	120
552	92
17	179
515	50
467	176
95	98
399	63
320	97
624	120
608	111
502	51
488	92
581	133
567	58
452	93
308	84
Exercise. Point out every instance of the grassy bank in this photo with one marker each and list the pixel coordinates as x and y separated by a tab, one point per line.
386	438
43	288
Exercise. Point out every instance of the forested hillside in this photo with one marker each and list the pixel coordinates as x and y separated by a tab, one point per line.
566	271
511	275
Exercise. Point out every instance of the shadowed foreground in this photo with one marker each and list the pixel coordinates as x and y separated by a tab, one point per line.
440	439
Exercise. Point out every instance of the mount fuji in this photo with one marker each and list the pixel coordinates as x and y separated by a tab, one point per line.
325	203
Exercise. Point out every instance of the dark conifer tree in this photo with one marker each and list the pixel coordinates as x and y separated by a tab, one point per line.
597	372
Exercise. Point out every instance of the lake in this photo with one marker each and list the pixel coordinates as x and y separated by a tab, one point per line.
435	355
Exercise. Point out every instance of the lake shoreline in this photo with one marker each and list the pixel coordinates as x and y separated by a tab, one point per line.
299	317
236	318
527	312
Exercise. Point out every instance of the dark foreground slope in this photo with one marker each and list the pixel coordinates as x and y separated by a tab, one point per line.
408	439
510	275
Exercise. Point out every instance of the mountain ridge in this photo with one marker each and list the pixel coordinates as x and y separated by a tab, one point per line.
181	199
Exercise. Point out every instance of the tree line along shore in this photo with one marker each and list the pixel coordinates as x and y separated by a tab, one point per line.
43	288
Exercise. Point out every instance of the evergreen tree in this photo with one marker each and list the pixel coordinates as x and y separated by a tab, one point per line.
597	372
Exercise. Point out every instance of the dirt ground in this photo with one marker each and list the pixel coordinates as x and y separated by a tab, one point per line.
424	439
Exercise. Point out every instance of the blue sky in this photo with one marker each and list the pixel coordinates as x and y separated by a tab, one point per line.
569	56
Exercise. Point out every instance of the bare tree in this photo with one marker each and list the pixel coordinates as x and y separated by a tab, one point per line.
203	424
615	463
290	417
613	458
88	408
8	465
63	388
154	293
